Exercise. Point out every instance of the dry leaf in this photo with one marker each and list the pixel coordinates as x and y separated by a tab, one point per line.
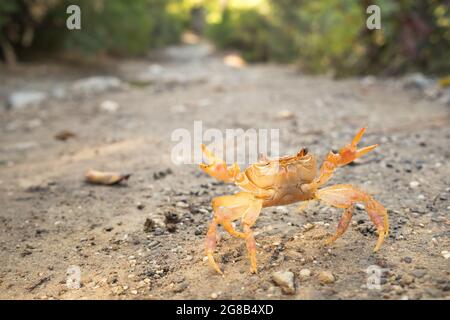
234	61
106	178
65	135
285	114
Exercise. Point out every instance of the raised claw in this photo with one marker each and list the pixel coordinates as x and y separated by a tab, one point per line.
350	152
217	168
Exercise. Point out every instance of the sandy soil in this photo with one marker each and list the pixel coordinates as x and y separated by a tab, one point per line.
50	219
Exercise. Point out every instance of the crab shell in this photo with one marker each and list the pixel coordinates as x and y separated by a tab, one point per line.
280	181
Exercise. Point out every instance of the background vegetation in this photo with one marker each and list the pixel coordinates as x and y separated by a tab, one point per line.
320	36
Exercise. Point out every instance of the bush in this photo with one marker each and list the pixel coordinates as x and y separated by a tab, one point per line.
332	35
119	27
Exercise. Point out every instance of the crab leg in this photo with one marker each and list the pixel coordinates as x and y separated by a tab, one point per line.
217	168
345	196
346	155
344	222
248	220
230	208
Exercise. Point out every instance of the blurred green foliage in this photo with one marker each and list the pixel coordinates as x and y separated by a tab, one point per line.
320	36
332	35
120	27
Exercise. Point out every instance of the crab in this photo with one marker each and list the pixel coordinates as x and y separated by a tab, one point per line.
283	181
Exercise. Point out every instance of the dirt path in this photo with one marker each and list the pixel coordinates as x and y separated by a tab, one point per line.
50	219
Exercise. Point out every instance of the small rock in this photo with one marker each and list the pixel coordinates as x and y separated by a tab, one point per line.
305	273
282	210
414	184
308	226
445	254
214	295
96	84
285	114
406	280
162	174
65	135
326	277
149	225
407	259
171	227
285	279
23	99
180	287
418	81
109	106
418	273
140	206
181	204
171	217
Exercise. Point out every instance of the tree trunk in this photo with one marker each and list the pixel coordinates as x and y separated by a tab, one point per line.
9	53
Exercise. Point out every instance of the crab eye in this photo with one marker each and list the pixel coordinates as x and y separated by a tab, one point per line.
303	152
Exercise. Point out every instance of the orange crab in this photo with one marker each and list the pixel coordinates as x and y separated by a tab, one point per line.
284	181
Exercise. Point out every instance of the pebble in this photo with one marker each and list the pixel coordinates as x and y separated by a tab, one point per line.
445	254
418	273
414	184
407	259
109	106
140	206
285	114
96	84
181	204
406	280
214	295
22	99
308	226
284	279
305	273
282	210
326	277
149	225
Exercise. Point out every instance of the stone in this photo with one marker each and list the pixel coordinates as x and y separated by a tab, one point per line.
326	277
414	184
406	280
96	84
305	274
23	99
109	106
418	273
285	280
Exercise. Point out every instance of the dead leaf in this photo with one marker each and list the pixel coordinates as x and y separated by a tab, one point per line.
285	115
65	135
106	178
234	61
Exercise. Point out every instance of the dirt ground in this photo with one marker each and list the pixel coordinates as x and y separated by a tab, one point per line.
50	219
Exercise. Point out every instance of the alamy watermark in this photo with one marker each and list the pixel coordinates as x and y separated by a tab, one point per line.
232	145
374	20
73	21
375	276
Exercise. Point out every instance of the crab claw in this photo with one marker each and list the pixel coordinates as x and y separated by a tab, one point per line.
350	152
217	168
